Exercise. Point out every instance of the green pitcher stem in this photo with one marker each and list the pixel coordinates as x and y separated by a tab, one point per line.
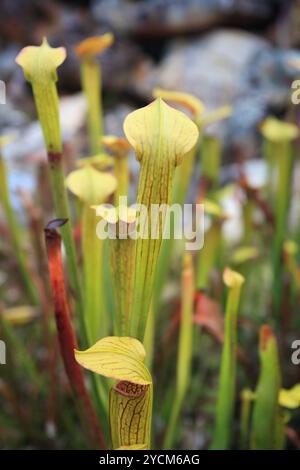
211	159
185	349
227	380
92	251
122	175
122	254
246	401
284	161
266	407
91	85
207	256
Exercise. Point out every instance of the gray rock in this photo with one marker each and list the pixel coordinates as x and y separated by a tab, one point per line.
162	17
209	67
226	67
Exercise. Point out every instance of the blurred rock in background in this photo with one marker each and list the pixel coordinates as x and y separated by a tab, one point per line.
233	52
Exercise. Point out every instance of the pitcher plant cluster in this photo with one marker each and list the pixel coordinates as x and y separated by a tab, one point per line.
107	295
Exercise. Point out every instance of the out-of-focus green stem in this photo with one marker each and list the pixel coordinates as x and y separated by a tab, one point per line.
15	232
284	161
92	252
227	382
122	175
246	401
27	363
185	349
211	159
183	177
208	255
265	412
90	72
91	85
290	253
122	252
119	148
149	338
269	156
248	212
280	431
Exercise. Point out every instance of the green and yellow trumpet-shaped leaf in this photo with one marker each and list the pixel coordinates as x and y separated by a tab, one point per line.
39	64
291	247
185	349
120	148
122	221
277	131
233	280
160	133
196	107
247	396
101	162
181	182
227	382
134	447
122	359
130	407
9	319
265	416
214	209
188	101
243	254
290	253
207	258
92	187
91	82
20	315
161	136
278	147
113	215
94	45
290	398
216	115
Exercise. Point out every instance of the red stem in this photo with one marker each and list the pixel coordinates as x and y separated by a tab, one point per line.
66	336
